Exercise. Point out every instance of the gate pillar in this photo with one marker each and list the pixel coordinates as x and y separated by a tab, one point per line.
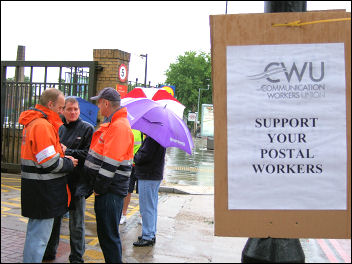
109	60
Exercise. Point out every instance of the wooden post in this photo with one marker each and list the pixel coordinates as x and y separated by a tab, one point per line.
19	74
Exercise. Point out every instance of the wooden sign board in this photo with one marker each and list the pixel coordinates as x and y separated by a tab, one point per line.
291	176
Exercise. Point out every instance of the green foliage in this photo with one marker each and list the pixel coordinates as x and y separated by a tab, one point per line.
61	80
12	79
191	72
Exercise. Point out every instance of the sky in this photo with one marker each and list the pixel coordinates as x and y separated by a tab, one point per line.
70	30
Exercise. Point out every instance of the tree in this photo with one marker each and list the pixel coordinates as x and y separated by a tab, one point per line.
190	73
12	79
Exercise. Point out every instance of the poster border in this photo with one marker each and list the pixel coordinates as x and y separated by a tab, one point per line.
257	29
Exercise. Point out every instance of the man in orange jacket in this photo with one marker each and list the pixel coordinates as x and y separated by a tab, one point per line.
109	164
75	137
44	191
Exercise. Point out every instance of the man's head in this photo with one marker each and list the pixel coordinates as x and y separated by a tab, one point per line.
71	110
108	101
53	99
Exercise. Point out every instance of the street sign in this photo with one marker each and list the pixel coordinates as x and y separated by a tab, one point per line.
192	117
123	72
122	89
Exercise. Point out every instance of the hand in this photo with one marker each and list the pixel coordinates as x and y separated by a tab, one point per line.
74	161
96	194
63	147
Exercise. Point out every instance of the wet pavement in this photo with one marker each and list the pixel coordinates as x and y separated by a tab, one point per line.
184	174
194	170
189	174
185	221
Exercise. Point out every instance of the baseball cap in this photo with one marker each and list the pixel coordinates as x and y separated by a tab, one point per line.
107	93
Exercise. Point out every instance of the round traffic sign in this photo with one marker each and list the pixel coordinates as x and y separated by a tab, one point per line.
123	72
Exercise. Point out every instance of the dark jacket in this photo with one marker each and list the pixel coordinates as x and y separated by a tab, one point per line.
76	136
149	160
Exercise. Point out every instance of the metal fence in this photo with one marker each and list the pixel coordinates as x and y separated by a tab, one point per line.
20	92
132	85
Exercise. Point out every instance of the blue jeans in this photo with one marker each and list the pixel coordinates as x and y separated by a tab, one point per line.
77	232
108	210
37	237
148	206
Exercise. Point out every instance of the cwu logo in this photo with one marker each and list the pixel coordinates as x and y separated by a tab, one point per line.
275	68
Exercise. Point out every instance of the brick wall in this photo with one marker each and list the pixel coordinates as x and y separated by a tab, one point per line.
110	60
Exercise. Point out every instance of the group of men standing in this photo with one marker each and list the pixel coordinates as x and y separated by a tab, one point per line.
63	161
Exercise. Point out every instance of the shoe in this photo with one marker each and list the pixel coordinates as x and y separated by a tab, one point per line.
46	258
144	243
123	219
153	239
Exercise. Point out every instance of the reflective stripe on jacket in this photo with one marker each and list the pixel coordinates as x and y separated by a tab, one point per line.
43	166
110	155
137	140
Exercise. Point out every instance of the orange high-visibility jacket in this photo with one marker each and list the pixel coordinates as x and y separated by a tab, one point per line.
109	160
44	191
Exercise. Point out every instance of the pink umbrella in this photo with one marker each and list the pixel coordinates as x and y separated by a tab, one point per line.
161	96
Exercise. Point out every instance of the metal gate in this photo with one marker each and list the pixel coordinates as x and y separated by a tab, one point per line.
22	91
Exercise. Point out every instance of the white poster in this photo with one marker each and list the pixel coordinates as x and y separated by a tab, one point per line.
286	127
207	124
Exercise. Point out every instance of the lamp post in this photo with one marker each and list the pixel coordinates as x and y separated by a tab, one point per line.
146	63
198	105
276	250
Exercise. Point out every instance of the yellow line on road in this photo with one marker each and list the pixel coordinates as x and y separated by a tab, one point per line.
89	214
194	169
90	198
94	242
4	208
17	215
133	211
6	213
13	204
10	179
6	186
90	237
93	256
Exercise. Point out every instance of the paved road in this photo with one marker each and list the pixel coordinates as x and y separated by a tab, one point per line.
185	231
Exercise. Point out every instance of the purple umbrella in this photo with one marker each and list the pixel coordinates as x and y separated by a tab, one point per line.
160	123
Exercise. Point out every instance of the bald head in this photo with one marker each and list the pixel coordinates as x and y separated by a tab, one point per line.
50	94
53	99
